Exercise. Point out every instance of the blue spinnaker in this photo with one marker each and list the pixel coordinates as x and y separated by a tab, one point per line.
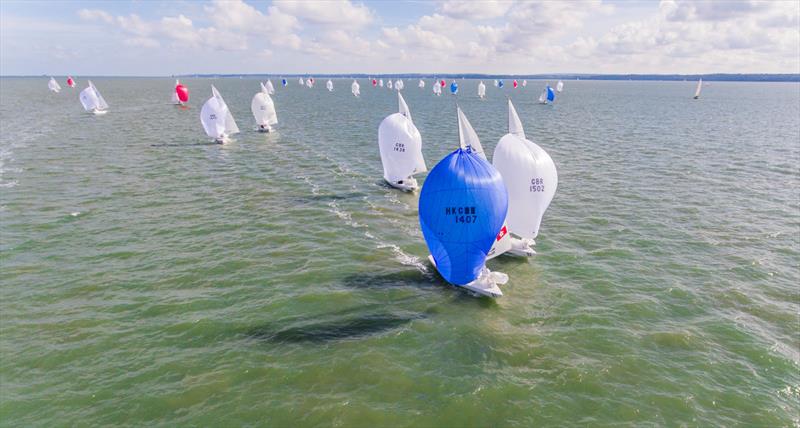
284	82
454	88
551	95
500	83
461	209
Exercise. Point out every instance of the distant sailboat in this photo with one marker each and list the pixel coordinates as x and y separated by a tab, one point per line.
284	82
374	83
217	119
329	85
400	147
437	89
547	95
310	82
380	83
92	101
390	84
481	90
699	88
270	88
454	87
514	84
496	83
70	82
560	86
355	88
551	96
301	81
443	83
399	85
264	110
500	83
180	94
421	83
53	85
461	209
524	83
531	179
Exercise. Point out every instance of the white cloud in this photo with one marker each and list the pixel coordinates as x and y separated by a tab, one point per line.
475	10
330	12
94	14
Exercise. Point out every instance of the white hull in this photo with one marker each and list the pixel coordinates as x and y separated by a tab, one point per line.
264	128
486	284
97	112
521	247
408	185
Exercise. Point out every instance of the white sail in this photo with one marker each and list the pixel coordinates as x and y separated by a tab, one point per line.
175	99
264	88
481	90
355	88
495	82
264	109
53	85
699	88
329	85
421	83
213	116
389	84
543	97
380	83
529	175
89	99
524	83
230	124
467	136
559	86
301	81
400	145
399	85
270	87
437	88
102	104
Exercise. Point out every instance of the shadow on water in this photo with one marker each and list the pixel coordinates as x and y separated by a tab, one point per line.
212	143
311	330
406	278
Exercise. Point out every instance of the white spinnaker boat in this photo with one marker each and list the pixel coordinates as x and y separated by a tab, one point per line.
468	138
524	83
699	88
437	88
400	147
531	179
380	83
559	86
543	97
496	83
329	85
217	119
270	87
481	90
92	101
264	110
399	85
390	84
421	83
355	88
301	81
53	85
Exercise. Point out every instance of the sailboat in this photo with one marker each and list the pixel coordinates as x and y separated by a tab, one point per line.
514	84
481	90
524	83
70	82
310	82
284	82
217	119
180	94
500	83
270	88
547	95
421	83
264	110
374	83
53	85
355	88
442	82
399	85
329	85
301	81
461	209
699	87
560	86
496	83
390	84
400	147
380	83
531	179
92	101
454	87
437	89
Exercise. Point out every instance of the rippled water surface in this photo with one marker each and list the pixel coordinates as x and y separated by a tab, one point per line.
149	277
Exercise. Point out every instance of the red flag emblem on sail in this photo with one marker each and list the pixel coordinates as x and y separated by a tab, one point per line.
502	233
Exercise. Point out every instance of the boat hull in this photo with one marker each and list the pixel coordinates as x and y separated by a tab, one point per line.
485	285
408	185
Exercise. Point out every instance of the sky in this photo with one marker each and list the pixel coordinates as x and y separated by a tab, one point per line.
160	38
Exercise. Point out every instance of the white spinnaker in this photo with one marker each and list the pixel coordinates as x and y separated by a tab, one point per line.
468	138
421	83
559	86
529	175
53	85
400	145
355	88
390	84
437	88
380	83
301	82
481	90
699	88
399	85
213	115
264	109
102	104
230	124
543	97
264	88
89	99
270	88
329	85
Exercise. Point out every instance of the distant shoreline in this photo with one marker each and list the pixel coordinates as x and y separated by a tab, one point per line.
713	77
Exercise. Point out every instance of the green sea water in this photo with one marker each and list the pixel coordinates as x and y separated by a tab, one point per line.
149	278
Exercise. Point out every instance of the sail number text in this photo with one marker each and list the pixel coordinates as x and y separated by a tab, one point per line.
399	147
462	214
537	185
